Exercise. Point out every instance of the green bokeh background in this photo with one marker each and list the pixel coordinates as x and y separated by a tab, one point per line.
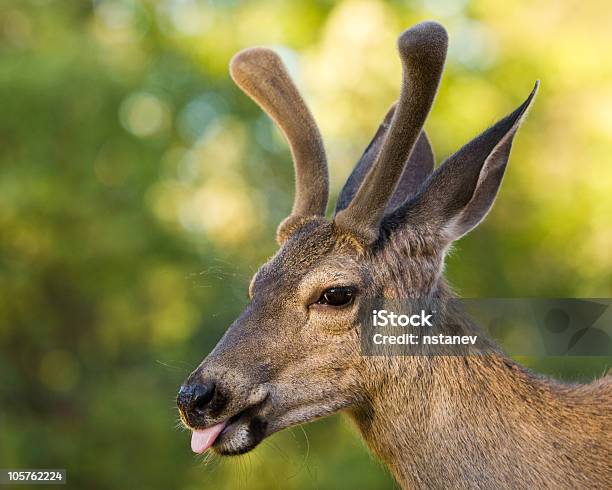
139	191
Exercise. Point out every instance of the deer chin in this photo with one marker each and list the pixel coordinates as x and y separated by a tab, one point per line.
242	432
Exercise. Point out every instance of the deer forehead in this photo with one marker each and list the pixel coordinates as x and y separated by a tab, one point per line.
314	257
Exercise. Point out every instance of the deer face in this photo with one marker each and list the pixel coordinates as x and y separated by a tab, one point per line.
294	354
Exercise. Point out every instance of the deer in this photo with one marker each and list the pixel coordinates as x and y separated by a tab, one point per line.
479	420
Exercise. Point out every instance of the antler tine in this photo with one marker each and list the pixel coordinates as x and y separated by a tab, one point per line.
422	49
260	73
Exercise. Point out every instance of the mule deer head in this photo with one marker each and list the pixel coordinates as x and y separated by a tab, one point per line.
294	354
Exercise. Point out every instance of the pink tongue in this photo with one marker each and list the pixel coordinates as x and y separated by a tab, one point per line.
201	440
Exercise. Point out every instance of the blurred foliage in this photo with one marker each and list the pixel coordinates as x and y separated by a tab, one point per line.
139	190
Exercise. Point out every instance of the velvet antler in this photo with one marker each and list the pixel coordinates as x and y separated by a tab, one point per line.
422	50
260	73
419	166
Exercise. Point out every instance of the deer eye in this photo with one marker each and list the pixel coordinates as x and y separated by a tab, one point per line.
339	296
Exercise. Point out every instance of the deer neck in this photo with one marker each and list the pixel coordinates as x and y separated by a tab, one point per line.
476	421
415	421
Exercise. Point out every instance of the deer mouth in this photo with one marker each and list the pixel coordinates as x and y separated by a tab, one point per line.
236	435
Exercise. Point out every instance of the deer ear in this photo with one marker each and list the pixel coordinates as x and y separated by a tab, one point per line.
419	165
460	193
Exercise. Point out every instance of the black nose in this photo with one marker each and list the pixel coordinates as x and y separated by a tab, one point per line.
193	398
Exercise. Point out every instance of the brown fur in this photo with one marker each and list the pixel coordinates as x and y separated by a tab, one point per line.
479	421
